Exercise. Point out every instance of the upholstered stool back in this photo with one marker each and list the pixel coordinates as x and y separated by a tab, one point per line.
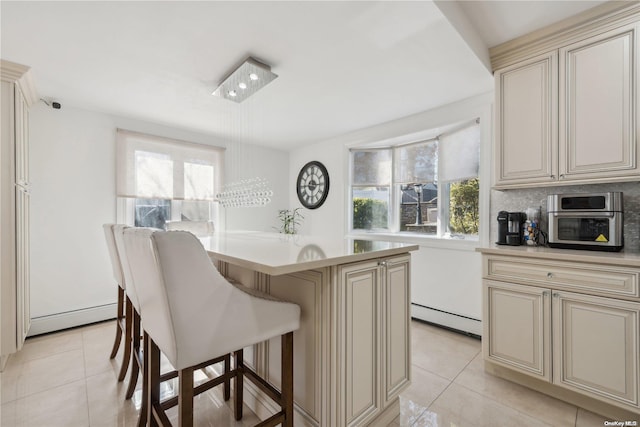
113	254
189	309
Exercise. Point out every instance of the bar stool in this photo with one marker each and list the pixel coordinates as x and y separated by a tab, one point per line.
180	291
123	318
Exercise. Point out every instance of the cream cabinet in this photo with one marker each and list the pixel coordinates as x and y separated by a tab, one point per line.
17	94
373	303
570	116
518	327
352	353
596	348
580	332
527	121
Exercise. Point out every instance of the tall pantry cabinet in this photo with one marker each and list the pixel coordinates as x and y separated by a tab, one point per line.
17	93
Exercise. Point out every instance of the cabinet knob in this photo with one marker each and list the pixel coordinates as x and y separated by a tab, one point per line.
561	176
553	177
382	263
545	293
549	275
556	295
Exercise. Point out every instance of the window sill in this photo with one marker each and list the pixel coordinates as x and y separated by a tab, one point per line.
466	244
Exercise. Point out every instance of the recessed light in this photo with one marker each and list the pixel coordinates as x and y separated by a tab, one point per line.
253	76
242	85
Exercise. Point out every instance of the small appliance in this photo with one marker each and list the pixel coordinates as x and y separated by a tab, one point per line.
510	231
591	221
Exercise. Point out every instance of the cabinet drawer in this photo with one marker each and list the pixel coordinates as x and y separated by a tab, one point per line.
588	277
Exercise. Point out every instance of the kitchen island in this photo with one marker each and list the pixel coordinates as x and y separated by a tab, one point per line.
352	351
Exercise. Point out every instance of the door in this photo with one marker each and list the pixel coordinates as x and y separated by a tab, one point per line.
597	135
517	327
596	346
526	122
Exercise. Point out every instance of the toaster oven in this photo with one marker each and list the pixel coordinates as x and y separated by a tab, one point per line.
586	221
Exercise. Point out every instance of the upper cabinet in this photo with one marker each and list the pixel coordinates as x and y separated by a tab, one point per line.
569	115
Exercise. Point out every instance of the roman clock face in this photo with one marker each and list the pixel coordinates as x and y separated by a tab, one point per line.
313	185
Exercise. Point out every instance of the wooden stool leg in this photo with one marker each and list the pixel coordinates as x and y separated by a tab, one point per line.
227	382
239	361
135	352
127	341
287	378
142	419
153	367
119	316
185	397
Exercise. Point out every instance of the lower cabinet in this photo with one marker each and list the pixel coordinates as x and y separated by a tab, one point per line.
588	344
373	306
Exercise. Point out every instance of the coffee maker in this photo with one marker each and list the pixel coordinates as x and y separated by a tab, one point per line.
510	231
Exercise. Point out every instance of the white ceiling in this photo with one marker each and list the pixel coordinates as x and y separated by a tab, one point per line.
342	66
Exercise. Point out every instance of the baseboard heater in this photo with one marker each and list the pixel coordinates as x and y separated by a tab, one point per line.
70	319
464	324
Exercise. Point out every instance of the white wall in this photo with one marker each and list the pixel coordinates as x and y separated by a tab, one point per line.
73	194
437	279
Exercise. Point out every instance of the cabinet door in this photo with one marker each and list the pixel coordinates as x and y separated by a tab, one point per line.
517	327
596	348
359	351
526	122
23	312
597	114
21	139
396	327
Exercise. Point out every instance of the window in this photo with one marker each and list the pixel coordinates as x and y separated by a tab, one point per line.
428	187
161	179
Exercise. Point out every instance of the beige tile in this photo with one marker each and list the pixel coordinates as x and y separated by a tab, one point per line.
97	344
62	406
460	406
424	389
551	411
48	345
34	376
589	419
442	352
107	405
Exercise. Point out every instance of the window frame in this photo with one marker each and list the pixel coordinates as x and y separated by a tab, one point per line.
441	239
125	204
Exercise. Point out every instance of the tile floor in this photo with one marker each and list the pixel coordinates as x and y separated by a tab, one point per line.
66	379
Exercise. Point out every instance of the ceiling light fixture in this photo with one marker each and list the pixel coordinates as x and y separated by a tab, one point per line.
259	76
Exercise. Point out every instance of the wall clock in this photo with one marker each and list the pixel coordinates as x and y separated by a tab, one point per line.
313	185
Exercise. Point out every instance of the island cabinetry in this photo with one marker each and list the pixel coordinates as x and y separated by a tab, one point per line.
373	345
580	331
352	351
570	114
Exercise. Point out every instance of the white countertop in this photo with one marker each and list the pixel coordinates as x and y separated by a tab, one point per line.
626	258
275	254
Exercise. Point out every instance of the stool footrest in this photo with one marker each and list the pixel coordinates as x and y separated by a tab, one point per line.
273	420
267	388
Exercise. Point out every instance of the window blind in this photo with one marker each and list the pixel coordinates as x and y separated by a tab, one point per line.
161	168
459	154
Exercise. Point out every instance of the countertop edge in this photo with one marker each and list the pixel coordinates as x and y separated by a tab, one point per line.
311	265
629	259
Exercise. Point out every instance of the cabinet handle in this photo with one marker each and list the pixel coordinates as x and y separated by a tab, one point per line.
556	295
549	275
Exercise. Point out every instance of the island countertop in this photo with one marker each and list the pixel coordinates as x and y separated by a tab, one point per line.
276	254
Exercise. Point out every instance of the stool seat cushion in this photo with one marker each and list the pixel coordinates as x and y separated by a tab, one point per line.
189	309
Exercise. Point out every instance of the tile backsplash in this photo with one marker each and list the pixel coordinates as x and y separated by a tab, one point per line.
520	200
